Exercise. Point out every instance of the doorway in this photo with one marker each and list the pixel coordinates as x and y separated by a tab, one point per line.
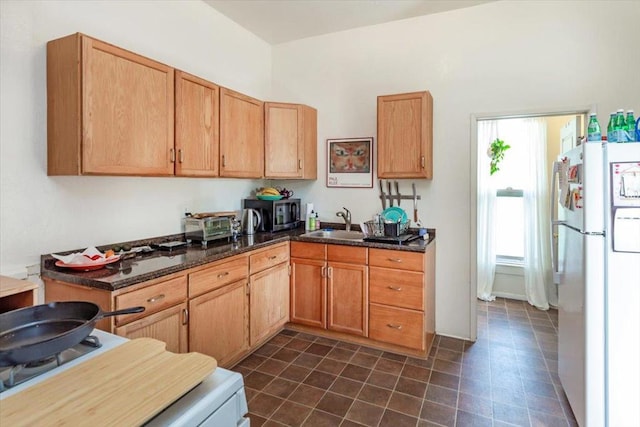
561	131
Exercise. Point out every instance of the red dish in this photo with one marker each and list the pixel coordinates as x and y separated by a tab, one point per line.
89	266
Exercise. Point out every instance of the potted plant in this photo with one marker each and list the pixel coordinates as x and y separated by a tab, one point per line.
496	152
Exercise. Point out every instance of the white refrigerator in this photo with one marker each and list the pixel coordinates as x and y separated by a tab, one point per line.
598	264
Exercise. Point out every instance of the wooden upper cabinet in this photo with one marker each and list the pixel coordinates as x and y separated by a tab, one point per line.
291	141
405	135
241	135
109	111
197	126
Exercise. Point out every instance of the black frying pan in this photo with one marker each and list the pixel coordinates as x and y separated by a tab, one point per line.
34	333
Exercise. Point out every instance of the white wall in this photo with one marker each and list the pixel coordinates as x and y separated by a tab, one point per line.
41	214
507	56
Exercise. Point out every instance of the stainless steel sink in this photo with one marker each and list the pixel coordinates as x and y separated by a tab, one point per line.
334	235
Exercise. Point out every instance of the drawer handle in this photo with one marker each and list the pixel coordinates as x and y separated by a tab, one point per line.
272	257
395	259
398	327
394	288
221	275
155	298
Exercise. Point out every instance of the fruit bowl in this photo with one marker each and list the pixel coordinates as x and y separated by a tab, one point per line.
269	196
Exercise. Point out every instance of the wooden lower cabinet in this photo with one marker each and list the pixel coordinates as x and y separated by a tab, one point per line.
169	325
268	302
347	290
327	293
218	323
308	292
397	326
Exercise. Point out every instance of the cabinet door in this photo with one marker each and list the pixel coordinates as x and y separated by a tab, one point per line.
197	126
283	140
127	112
268	301
169	325
218	323
308	292
241	135
291	141
405	134
347	289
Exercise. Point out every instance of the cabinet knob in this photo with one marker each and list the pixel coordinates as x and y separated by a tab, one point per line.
221	275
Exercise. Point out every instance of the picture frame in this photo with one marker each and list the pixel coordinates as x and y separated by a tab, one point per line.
350	163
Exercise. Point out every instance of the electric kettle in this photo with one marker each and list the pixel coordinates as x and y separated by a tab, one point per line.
251	220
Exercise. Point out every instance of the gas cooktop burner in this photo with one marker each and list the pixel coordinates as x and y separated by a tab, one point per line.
11	376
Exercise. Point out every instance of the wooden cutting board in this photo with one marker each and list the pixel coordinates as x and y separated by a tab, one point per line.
125	386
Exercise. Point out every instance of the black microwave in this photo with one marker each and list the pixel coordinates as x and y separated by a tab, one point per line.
277	215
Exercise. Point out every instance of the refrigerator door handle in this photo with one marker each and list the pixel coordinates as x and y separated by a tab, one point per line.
554	221
585	233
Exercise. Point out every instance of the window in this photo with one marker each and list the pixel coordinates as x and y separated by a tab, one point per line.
510	181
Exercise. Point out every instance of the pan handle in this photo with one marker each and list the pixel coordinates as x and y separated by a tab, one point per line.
130	310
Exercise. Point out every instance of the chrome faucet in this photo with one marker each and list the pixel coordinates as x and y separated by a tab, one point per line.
346	216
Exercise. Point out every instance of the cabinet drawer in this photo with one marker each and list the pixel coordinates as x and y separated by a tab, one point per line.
261	260
397	326
396	287
308	250
396	259
218	275
350	254
153	298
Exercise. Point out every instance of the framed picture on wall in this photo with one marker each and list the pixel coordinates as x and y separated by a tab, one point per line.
350	162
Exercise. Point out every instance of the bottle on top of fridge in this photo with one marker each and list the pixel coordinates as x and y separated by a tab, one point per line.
621	126
611	133
631	126
593	129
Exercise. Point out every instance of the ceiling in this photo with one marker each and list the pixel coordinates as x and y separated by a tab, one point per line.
279	21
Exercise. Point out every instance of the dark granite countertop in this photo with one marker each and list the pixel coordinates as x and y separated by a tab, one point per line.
147	266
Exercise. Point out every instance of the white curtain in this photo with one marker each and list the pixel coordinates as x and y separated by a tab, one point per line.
486	220
538	274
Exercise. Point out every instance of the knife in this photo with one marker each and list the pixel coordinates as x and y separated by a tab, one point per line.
415	203
390	194
398	192
382	196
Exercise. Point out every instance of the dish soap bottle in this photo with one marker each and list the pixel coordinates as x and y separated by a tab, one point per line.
317	222
312	221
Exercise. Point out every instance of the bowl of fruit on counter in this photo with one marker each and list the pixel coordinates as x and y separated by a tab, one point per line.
269	193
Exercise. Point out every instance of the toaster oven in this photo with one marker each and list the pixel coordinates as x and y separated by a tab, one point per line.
207	229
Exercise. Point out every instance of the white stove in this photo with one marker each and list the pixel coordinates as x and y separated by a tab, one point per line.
219	400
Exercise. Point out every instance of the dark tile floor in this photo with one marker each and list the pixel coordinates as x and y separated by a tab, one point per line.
507	377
